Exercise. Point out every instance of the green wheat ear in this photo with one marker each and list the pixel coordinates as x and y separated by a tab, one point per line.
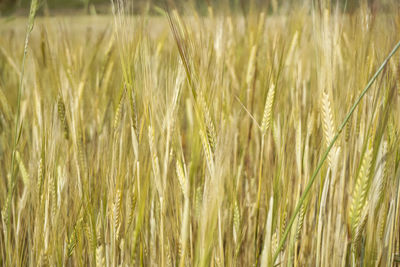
62	116
360	191
267	115
100	259
22	168
41	171
327	122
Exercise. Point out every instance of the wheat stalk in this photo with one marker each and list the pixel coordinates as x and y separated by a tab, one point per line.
326	153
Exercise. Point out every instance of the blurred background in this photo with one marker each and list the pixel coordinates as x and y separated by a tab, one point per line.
91	7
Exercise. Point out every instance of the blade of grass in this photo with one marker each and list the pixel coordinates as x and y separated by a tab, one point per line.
17	129
325	155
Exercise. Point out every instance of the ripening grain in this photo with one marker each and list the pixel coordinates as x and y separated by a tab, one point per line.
185	138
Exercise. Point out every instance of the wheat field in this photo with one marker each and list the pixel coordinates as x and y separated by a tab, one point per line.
175	138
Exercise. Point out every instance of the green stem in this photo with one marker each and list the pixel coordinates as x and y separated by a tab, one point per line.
325	155
259	197
17	130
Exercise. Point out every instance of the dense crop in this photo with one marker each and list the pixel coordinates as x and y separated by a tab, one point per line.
188	140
